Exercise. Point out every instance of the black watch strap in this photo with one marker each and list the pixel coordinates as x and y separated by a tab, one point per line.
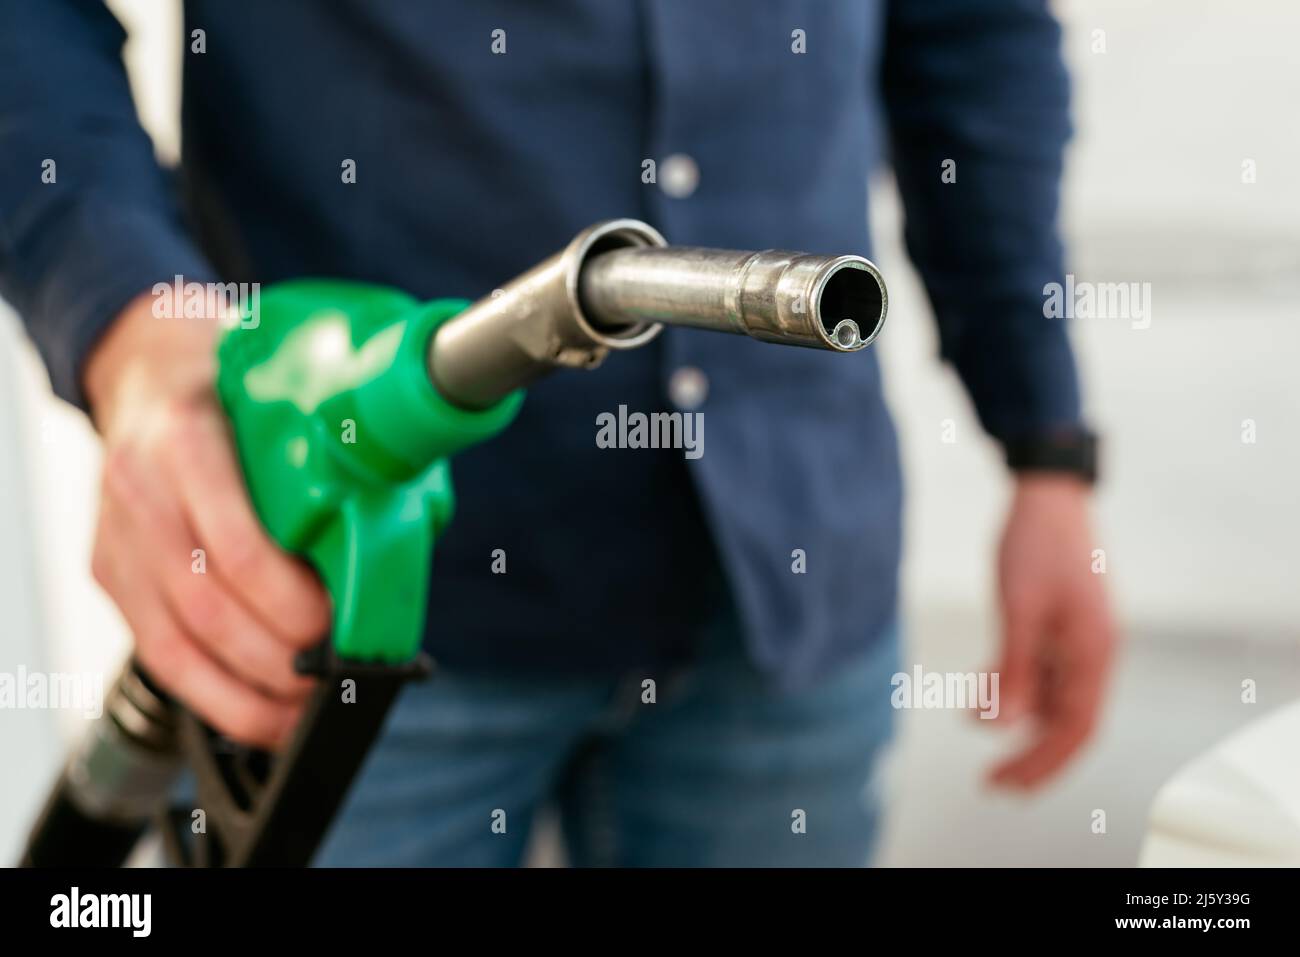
1073	452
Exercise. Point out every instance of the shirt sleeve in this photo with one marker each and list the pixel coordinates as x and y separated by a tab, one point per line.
977	101
88	219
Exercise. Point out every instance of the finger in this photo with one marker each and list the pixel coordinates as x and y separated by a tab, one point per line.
280	590
1073	692
1089	643
1047	755
223	626
1023	621
151	520
180	666
225	703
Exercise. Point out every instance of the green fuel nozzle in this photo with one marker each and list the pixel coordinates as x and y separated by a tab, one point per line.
345	442
347	400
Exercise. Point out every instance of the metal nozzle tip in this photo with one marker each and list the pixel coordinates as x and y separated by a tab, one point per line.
851	304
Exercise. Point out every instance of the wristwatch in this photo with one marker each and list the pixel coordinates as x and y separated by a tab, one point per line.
1069	451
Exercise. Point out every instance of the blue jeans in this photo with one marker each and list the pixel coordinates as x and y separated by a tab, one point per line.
715	772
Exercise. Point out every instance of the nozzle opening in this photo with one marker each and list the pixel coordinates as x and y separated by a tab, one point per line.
851	305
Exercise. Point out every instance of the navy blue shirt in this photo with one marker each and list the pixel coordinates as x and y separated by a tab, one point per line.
471	165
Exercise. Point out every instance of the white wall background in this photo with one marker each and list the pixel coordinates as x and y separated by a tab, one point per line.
1200	529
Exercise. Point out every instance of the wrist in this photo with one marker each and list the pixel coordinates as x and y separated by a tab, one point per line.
1055	485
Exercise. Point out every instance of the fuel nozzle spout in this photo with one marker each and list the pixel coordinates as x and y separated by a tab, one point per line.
618	283
821	302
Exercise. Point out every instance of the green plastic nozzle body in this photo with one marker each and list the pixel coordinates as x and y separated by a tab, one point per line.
345	446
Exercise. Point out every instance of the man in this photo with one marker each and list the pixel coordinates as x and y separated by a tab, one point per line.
692	658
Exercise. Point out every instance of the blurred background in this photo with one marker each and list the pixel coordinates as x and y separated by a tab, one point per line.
1174	104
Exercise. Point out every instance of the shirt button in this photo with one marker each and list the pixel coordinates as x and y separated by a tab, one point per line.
679	175
688	387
